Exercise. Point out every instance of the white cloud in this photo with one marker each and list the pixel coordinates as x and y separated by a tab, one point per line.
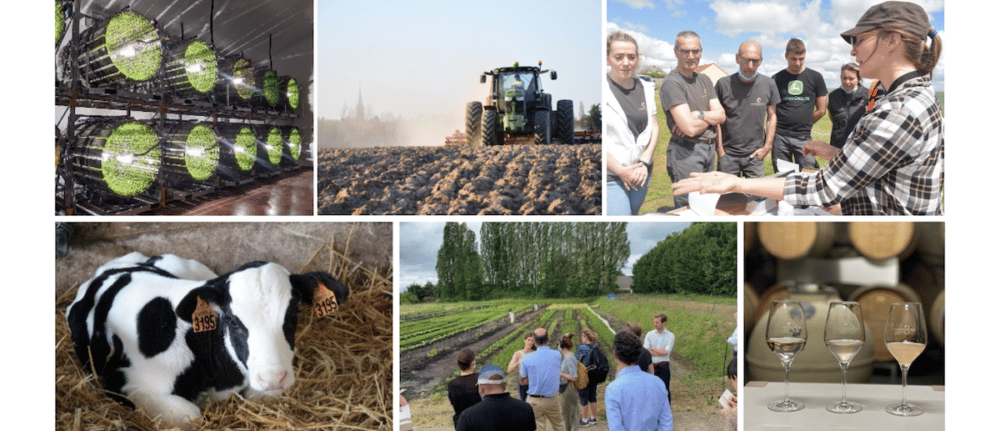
674	4
637	4
773	17
653	52
845	13
679	14
632	26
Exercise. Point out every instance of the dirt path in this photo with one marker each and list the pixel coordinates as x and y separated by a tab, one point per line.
420	374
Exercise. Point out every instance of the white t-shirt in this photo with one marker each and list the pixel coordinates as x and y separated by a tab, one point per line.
659	340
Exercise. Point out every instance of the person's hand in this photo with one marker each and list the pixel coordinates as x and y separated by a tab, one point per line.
708	182
761	153
820	149
676	131
731	401
639	174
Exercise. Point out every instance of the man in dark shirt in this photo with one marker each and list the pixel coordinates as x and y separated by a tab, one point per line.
748	99
803	102
498	410
692	111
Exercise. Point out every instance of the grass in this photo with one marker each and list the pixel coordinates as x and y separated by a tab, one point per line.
660	197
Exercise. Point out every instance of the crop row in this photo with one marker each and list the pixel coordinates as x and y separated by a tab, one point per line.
472	321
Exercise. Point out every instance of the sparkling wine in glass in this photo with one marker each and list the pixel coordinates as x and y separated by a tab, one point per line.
786	336
905	337
844	336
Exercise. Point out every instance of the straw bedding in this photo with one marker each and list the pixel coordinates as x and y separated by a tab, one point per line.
343	365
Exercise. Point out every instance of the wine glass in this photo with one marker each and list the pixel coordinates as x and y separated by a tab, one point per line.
786	336
844	335
905	337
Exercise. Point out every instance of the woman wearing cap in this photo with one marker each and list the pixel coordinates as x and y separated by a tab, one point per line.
846	104
631	127
893	163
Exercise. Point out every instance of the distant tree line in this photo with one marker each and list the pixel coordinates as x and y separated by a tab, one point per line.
701	259
544	260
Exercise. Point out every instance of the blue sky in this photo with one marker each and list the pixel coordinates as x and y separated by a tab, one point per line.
419	243
418	58
724	24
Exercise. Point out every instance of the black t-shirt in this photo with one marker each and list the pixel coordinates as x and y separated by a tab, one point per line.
499	412
798	100
697	91
845	111
463	393
746	111
633	103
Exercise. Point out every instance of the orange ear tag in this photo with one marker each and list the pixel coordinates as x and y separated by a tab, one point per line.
203	318
872	95
325	300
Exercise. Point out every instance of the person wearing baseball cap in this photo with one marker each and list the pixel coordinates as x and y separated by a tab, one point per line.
893	160
498	410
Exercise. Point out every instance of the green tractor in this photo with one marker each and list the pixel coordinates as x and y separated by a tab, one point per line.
517	110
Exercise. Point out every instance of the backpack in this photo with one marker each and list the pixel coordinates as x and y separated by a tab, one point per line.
582	376
596	363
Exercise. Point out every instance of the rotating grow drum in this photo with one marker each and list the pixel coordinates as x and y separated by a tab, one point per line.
289	89
190	152
125	48
118	157
238	82
269	94
272	147
238	152
293	145
191	68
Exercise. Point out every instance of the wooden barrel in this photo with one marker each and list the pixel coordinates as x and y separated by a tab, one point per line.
875	302
750	301
796	240
930	243
883	240
935	320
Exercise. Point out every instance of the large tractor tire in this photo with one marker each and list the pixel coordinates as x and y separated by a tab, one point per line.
473	122
489	130
542	129
564	121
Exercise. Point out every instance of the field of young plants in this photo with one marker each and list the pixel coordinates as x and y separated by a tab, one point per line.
432	334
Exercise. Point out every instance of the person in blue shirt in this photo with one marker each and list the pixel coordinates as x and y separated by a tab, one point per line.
635	400
541	368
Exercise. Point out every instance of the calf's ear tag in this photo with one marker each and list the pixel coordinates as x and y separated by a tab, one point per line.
203	318
325	300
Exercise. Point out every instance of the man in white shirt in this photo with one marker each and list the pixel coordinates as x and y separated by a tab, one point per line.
660	342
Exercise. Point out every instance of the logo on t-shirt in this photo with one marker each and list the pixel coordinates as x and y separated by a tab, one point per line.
795	87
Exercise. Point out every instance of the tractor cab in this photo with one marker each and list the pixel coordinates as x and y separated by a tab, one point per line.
516	107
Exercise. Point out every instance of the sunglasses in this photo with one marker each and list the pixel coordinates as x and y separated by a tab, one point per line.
855	39
689	51
750	60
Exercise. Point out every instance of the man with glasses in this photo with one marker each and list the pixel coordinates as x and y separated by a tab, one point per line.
803	102
692	110
748	100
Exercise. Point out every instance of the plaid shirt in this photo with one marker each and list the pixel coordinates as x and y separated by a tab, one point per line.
892	164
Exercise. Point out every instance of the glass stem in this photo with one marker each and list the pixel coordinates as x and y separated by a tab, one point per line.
787	366
905	369
843	398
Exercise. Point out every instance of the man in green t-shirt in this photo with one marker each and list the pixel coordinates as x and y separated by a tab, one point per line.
803	102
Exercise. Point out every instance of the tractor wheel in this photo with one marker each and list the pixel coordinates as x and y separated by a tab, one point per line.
542	129
473	121
489	128
564	121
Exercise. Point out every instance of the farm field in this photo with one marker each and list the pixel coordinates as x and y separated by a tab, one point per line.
700	324
513	179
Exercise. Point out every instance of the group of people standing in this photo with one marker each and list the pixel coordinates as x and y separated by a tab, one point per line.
637	399
886	149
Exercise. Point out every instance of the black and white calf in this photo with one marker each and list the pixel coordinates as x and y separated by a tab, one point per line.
166	334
